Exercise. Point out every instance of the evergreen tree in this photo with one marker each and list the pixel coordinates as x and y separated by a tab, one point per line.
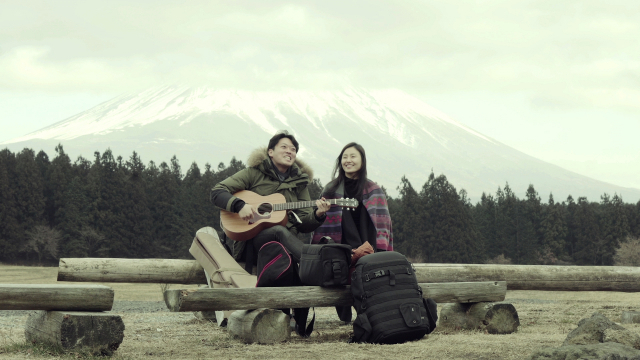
58	177
10	231
507	236
452	236
634	217
81	168
588	240
193	207
614	227
43	163
136	213
73	217
166	187
226	171
528	248
572	228
409	219
554	230
29	194
484	214
111	204
212	215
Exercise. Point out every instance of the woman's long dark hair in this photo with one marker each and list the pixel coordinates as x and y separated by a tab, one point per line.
362	173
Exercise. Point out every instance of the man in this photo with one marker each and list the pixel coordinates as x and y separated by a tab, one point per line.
271	170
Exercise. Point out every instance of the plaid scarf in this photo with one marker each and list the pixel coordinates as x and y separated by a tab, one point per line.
376	204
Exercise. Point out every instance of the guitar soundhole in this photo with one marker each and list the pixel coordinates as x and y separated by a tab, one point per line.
265	209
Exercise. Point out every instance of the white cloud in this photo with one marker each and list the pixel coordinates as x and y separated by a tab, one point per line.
563	53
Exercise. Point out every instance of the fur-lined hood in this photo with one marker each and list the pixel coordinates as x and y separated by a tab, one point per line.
259	155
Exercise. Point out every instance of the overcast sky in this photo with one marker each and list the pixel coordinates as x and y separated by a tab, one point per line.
558	80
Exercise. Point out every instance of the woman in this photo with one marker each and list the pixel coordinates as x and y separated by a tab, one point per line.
368	227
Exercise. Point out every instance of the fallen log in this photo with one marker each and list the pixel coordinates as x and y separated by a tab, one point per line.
55	297
162	271
206	299
536	277
501	318
262	326
98	332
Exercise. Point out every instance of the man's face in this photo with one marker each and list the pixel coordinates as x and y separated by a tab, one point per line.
284	154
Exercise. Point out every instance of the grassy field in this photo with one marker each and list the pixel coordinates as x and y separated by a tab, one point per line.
154	333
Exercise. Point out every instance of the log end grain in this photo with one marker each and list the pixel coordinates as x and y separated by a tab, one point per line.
100	333
502	319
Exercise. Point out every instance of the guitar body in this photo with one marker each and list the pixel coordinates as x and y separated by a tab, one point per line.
240	230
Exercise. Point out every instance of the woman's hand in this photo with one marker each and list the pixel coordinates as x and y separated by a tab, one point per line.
323	206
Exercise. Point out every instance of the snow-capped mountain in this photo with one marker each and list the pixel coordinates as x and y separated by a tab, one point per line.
401	135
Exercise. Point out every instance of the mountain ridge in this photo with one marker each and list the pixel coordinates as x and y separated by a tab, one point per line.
401	135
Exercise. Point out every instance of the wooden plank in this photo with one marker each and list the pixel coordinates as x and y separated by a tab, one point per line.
206	299
55	297
99	332
162	271
536	277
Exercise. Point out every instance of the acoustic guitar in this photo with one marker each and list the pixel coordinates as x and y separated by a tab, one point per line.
272	210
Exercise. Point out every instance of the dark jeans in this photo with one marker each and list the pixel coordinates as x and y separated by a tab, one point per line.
280	234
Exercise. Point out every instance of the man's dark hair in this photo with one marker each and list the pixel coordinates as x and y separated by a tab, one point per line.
280	135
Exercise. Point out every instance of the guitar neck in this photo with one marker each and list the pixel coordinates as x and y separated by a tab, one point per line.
300	204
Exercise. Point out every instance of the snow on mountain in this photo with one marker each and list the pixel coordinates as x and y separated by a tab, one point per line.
402	136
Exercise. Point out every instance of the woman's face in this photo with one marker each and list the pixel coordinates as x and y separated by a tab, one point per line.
351	162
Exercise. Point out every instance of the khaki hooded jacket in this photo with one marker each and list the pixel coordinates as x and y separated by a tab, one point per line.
260	178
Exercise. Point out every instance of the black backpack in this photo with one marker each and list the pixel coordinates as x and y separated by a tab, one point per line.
388	301
275	268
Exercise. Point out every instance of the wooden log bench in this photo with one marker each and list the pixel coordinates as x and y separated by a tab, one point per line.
518	277
264	325
56	297
68	316
537	277
114	270
206	299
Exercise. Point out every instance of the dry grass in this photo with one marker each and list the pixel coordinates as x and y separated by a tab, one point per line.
546	318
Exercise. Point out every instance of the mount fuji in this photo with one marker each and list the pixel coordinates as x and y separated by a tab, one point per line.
401	136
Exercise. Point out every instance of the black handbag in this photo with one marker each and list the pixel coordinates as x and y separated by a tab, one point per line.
325	264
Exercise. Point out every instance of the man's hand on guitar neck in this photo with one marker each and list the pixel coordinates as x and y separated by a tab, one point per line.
323	206
247	212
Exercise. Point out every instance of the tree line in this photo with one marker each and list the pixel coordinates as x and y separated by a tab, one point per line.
109	206
440	225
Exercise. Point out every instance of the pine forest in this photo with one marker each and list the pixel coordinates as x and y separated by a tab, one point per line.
110	206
